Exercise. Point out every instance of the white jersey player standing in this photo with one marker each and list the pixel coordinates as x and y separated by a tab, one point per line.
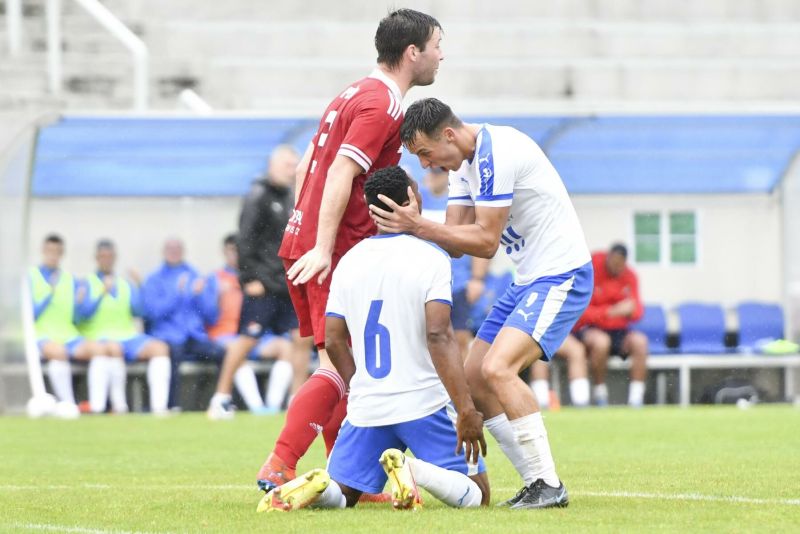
391	295
504	193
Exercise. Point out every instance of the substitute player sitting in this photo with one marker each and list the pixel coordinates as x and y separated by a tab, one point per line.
391	296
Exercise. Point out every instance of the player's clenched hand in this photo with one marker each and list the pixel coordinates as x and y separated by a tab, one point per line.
469	429
402	219
312	262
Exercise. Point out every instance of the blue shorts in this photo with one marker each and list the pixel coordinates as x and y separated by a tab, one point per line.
546	309
354	460
265	340
71	345
461	311
132	346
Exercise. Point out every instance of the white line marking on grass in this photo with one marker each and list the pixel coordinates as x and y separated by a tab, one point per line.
166	487
63	528
241	487
686	497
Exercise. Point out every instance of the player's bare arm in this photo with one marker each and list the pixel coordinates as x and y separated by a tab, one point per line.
335	196
446	359
480	238
456	215
302	170
339	351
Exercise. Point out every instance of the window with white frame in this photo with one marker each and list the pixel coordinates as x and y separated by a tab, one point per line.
665	237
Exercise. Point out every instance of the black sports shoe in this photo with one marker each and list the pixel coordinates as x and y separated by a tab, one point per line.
515	499
540	495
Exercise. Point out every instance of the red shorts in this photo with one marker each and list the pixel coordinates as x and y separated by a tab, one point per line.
309	301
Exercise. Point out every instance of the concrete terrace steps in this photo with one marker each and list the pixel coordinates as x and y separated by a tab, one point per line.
550	39
451	10
245	53
531	78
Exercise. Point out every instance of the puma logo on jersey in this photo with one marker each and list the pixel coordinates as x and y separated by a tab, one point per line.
484	159
315	427
524	315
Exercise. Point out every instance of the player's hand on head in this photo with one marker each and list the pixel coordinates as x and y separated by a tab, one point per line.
313	262
469	428
402	219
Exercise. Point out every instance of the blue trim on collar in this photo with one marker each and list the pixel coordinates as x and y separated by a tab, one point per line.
385	236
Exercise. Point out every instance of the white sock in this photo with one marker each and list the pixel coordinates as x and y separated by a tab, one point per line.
60	374
158	374
600	393
579	391
636	393
451	487
118	374
98	378
331	498
532	437
218	399
541	389
280	380
247	385
500	428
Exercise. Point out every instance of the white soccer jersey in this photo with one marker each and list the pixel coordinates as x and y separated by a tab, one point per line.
380	288
542	235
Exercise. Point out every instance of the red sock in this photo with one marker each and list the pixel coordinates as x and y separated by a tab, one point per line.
331	430
309	412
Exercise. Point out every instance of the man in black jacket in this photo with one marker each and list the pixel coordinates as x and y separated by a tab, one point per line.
266	305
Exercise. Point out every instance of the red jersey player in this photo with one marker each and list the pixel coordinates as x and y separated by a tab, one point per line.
358	133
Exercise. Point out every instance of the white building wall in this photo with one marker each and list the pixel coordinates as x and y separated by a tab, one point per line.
739	240
139	227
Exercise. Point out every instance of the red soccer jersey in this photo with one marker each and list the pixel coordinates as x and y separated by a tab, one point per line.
362	123
608	290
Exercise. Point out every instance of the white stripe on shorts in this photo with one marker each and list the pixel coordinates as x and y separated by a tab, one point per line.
555	299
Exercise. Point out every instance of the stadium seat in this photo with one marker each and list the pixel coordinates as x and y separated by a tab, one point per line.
653	324
702	328
758	321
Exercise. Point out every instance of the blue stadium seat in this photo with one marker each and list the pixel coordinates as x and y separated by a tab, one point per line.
758	321
653	324
702	328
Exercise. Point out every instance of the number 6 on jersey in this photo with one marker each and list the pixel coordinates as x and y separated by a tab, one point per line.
377	346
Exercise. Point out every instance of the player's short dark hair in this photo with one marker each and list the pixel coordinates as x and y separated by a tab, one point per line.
428	116
392	182
54	238
619	248
398	30
104	244
230	239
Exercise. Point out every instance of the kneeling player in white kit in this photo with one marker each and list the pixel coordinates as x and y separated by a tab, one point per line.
391	296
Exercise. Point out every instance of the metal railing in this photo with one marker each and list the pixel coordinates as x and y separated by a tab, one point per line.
110	22
14	26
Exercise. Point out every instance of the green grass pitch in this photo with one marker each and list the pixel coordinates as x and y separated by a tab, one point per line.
650	470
